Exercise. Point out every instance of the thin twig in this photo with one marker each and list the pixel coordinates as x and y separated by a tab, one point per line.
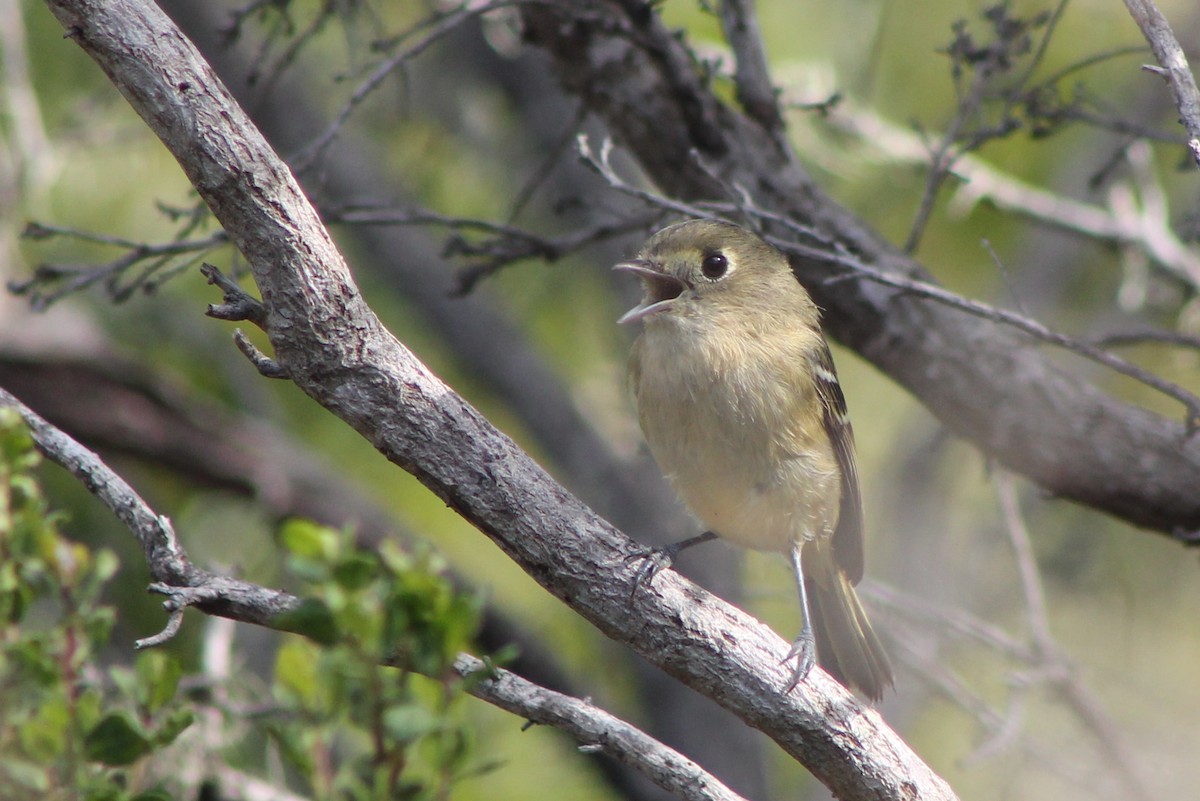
602	163
505	244
237	304
985	64
1031	581
438	29
952	621
1155	337
554	154
73	278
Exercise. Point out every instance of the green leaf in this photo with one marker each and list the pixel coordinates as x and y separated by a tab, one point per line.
116	740
157	794
296	671
103	792
29	775
309	540
89	707
16	443
158	678
292	748
106	565
174	725
313	619
98	625
356	570
44	736
126	681
408	723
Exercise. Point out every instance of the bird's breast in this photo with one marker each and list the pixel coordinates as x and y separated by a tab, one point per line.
730	421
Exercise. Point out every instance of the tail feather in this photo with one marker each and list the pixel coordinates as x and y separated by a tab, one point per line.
847	647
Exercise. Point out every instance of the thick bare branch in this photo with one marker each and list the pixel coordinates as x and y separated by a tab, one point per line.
335	349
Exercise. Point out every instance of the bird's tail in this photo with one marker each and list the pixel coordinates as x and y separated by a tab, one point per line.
847	647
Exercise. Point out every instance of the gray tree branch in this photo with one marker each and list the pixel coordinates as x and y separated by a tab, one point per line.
597	732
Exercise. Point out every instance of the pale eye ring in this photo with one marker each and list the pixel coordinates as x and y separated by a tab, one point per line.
714	266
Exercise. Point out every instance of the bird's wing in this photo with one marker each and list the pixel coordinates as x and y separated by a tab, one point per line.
848	537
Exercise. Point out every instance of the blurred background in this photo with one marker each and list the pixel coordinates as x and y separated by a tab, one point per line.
457	196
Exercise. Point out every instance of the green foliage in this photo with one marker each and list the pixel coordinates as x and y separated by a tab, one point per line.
345	724
67	729
342	722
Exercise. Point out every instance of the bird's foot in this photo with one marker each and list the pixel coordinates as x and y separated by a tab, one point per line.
652	562
804	654
655	560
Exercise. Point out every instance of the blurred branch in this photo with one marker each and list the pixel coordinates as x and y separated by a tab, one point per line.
1173	67
1053	667
336	350
186	585
438	27
28	155
52	282
1143	225
1043	663
503	244
1000	726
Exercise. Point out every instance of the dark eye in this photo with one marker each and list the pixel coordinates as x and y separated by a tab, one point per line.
714	266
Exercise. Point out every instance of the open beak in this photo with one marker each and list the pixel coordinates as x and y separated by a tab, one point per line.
662	290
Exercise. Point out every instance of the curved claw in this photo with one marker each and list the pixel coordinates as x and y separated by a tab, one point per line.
654	561
658	559
804	652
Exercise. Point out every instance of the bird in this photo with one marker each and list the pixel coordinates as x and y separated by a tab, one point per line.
739	402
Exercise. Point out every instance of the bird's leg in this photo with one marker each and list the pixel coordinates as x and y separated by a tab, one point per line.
804	647
655	560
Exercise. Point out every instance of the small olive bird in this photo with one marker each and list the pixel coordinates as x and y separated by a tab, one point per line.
740	405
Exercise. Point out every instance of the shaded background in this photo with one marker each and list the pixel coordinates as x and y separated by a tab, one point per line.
476	127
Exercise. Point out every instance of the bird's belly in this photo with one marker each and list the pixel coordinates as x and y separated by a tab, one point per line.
788	505
731	434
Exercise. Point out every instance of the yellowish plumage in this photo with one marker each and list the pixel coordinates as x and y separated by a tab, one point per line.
739	404
724	412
